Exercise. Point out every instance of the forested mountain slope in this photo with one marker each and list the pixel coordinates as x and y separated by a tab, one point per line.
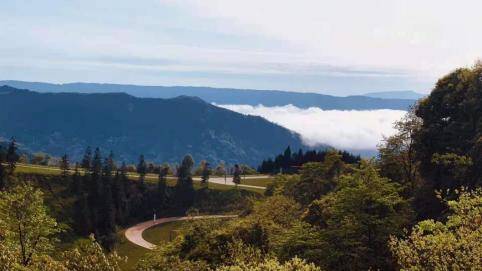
161	129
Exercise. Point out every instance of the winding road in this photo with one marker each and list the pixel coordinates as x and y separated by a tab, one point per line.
134	233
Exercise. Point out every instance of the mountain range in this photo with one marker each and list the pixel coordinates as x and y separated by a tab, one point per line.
410	95
164	130
229	96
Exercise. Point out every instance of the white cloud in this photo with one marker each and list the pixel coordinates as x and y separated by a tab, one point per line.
351	129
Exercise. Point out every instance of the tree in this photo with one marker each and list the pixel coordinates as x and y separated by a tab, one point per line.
237	174
65	165
86	163
3	172
162	185
317	179
184	185
357	219
453	245
12	155
142	168
449	142
205	172
397	156
26	226
88	255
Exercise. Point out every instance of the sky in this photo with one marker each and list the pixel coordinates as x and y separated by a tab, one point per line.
341	47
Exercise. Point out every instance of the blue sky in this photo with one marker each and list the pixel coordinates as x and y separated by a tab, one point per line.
336	47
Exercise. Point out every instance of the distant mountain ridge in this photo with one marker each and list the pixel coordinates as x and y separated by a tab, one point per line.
164	130
226	95
408	94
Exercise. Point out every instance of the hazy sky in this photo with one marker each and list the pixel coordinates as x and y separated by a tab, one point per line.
338	47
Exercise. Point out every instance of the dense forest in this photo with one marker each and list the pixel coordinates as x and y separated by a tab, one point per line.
417	206
289	162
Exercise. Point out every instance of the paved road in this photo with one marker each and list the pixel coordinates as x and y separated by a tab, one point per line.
213	179
134	233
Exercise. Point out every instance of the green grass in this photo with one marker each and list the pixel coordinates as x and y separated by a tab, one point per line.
150	178
154	235
264	182
163	233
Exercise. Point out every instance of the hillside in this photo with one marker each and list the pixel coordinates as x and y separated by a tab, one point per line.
226	95
411	95
161	129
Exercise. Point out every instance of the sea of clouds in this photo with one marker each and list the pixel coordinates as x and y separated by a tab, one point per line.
343	129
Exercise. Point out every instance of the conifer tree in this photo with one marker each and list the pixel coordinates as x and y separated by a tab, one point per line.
120	198
86	163
237	174
184	185
65	165
205	173
142	168
12	155
162	185
2	169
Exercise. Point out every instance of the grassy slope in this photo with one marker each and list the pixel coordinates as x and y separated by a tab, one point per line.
46	170
154	235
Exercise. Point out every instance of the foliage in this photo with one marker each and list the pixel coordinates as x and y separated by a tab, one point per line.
289	162
26	227
453	245
88	255
316	179
397	154
237	174
357	219
294	264
449	142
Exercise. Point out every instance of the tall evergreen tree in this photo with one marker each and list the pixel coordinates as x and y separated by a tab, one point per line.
142	168
237	174
106	227
65	165
12	155
162	185
120	198
184	186
205	173
86	163
3	173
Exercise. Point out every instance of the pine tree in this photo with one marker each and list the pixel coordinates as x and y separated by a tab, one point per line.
184	186
12	155
120	198
162	185
3	173
142	169
3	182
205	173
86	163
237	174
65	165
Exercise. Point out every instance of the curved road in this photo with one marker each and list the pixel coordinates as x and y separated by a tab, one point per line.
134	233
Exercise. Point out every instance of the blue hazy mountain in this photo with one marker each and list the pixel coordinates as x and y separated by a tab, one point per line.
226	95
409	95
161	129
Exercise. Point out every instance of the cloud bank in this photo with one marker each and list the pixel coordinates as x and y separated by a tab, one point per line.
351	129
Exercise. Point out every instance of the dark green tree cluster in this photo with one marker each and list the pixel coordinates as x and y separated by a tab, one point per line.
438	147
184	190
105	197
289	162
8	160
